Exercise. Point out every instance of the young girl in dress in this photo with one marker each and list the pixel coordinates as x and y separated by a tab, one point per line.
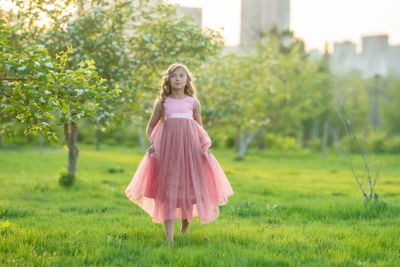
178	177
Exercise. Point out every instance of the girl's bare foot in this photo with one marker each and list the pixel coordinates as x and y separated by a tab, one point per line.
185	225
171	242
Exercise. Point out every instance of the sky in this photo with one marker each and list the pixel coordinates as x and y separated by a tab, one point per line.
220	15
314	21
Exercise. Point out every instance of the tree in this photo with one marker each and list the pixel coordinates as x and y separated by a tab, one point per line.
131	63
267	87
233	94
132	42
38	91
162	38
344	117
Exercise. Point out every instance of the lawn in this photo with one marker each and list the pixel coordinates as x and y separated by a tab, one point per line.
288	209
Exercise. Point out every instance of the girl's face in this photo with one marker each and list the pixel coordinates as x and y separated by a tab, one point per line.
178	79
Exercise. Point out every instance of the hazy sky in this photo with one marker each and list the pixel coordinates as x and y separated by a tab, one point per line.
315	21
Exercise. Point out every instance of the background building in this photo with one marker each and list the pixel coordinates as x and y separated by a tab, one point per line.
394	59
376	58
259	16
344	57
194	13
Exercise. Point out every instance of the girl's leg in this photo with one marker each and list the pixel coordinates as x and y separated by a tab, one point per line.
185	224
169	231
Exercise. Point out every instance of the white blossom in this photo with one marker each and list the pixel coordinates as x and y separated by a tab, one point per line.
22	68
79	91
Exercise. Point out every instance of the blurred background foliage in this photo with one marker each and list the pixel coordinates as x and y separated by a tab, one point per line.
269	97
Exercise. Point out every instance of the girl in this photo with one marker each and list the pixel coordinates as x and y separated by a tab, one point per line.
178	178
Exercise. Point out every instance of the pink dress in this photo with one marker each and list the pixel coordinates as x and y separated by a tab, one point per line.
181	179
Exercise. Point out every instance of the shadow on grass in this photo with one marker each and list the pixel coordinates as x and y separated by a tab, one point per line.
9	212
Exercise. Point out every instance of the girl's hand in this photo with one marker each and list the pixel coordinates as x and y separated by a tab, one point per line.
151	149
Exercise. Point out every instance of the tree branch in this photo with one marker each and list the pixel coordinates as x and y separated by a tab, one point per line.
346	123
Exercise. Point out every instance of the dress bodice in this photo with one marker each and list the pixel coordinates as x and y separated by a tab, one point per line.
183	105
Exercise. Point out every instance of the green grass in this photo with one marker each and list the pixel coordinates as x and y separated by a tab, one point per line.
288	209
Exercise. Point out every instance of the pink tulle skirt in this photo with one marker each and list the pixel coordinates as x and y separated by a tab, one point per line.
181	178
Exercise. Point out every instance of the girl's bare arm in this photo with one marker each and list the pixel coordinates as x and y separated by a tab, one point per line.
197	111
155	117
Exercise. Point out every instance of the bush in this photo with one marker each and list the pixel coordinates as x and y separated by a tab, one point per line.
113	135
375	141
222	137
230	141
289	143
274	141
65	179
347	142
314	144
392	145
121	135
110	142
217	140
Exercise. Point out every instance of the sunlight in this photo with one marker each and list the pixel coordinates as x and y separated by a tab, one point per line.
222	16
9	6
315	21
6	5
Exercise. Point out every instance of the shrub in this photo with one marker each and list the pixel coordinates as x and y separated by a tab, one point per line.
65	179
314	144
230	141
375	141
347	142
274	141
289	143
392	145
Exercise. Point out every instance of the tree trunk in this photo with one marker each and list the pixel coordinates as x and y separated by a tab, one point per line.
71	137
335	136
244	141
325	138
242	148
300	136
98	132
40	137
314	130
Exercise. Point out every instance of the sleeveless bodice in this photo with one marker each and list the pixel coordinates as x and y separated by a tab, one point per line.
179	107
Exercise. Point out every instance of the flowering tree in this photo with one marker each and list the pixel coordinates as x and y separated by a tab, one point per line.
41	93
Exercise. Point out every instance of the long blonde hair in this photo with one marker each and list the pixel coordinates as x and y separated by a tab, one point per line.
165	87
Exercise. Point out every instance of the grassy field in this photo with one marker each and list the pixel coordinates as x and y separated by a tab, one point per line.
288	209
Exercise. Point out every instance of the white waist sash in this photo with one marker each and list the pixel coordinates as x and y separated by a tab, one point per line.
179	115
